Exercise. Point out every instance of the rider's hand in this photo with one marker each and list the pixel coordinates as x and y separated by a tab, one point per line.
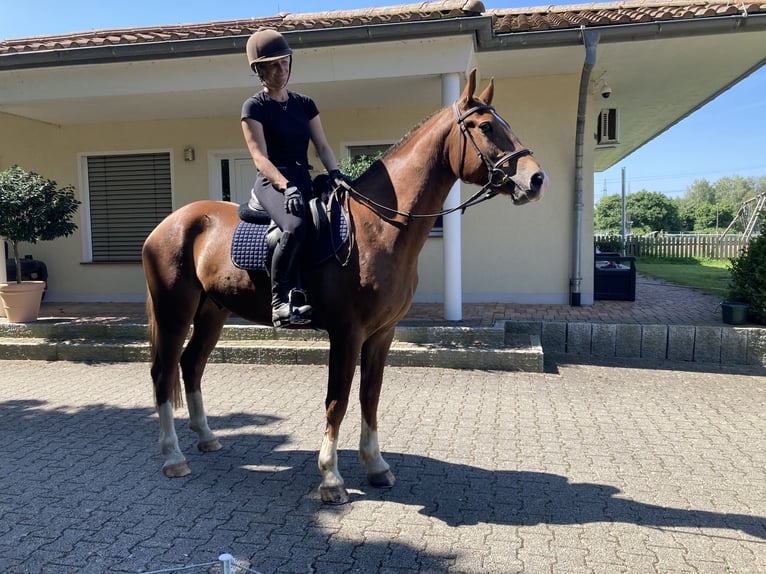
337	178
293	199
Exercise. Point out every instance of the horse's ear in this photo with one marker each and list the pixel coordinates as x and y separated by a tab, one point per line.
470	86
489	91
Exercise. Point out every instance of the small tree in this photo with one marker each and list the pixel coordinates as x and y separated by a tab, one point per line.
748	278
33	209
355	167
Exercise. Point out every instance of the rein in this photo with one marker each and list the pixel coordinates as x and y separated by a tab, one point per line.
496	176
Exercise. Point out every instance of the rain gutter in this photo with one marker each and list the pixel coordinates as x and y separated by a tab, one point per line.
480	26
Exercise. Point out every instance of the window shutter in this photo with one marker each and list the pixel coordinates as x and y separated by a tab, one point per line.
129	195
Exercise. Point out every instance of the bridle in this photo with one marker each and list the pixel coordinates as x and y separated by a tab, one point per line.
496	177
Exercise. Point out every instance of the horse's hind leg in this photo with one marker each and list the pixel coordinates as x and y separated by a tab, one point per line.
167	335
374	354
208	323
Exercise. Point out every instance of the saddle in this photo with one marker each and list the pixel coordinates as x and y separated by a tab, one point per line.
256	235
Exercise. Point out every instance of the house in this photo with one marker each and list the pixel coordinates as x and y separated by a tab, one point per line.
143	121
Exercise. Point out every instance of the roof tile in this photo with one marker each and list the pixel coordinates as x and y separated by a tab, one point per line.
505	20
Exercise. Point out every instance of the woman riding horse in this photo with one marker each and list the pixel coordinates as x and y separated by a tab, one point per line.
391	209
278	124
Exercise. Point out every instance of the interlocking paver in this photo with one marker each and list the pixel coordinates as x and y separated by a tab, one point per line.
585	468
657	302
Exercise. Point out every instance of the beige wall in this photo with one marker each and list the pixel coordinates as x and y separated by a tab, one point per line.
509	253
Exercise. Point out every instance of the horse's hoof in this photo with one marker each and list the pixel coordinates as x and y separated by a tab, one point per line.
383	479
333	494
209	445
176	470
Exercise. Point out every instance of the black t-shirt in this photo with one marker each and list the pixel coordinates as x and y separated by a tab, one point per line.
285	126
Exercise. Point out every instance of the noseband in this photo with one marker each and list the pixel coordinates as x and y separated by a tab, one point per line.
496	176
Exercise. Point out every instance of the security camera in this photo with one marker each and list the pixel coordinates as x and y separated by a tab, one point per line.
606	91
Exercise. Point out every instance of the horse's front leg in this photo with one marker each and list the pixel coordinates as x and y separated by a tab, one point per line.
374	355
206	440
344	350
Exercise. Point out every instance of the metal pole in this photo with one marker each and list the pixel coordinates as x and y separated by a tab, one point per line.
226	563
3	275
624	215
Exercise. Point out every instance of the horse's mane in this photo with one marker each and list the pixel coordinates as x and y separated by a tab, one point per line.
406	137
395	147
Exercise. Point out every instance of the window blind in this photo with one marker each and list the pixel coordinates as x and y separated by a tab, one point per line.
129	194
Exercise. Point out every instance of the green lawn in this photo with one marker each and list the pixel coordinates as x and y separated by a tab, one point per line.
710	276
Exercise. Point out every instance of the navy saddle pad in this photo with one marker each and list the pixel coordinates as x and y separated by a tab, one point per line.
327	234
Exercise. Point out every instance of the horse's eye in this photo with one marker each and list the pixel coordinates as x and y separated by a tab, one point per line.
486	127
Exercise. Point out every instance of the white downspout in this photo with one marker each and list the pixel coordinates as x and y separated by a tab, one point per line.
453	281
3	272
590	39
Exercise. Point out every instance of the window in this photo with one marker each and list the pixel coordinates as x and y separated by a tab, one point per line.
128	195
356	151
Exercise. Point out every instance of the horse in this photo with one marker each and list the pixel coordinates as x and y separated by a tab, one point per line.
358	299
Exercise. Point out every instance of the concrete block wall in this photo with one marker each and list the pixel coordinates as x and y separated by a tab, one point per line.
700	344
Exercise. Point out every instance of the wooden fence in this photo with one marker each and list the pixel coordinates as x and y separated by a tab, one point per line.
675	246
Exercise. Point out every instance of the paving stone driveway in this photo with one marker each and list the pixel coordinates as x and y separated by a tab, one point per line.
584	468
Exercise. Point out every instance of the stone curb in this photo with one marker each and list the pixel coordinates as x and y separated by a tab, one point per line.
493	347
524	353
702	344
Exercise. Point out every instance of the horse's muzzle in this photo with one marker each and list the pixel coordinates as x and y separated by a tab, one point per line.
528	191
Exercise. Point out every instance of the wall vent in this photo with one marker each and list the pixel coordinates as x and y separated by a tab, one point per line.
607	129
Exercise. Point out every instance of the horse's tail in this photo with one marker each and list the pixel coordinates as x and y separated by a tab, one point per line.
176	392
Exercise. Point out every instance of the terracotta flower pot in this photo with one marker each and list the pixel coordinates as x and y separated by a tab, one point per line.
21	301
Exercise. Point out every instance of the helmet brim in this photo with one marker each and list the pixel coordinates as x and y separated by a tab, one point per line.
279	56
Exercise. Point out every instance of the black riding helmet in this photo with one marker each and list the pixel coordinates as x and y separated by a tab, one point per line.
267	45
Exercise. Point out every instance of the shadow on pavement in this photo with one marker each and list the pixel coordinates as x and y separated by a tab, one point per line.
82	488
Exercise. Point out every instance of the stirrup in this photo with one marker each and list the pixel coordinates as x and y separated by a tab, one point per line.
296	311
300	310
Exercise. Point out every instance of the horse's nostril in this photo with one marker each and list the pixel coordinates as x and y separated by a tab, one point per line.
537	180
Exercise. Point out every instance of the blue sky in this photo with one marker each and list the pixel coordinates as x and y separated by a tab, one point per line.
725	138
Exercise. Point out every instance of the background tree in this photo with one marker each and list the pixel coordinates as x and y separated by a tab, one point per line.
608	215
653	211
725	195
734	190
705	217
701	191
648	211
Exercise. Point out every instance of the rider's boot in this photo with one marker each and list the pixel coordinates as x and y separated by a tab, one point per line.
286	308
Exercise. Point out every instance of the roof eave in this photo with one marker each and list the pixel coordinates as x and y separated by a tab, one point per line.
610	33
314	38
479	26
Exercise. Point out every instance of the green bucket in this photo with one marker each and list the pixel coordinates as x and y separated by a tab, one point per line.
734	313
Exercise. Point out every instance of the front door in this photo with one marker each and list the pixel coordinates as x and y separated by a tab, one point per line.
243	176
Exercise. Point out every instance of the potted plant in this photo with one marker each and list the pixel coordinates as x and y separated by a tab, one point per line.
32	209
747	292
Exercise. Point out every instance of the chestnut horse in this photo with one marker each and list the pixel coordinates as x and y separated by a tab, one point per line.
391	209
